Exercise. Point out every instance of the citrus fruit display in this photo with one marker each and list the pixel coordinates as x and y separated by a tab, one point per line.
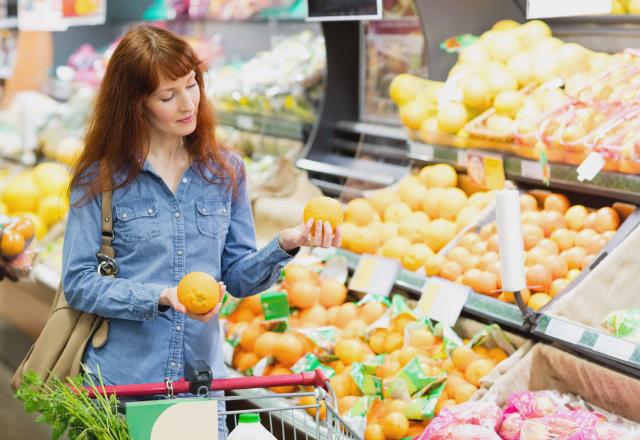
199	292
560	240
325	209
374	340
415	219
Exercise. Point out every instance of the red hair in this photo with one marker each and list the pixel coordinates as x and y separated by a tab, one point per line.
118	133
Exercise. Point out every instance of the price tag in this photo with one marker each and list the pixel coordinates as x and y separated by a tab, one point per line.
462	158
564	330
442	300
590	167
614	347
244	122
566	8
531	170
375	275
486	169
424	152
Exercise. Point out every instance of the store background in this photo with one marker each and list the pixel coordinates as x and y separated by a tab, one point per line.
331	126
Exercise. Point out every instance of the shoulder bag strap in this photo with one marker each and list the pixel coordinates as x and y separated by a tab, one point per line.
106	255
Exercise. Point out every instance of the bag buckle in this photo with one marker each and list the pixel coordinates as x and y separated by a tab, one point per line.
107	266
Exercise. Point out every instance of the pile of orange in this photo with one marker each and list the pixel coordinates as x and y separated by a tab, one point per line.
15	236
560	241
414	220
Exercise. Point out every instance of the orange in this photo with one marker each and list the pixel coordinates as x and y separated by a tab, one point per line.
347	313
421	338
451	203
477	370
288	349
325	209
12	243
607	219
253	303
372	311
376	340
303	294
316	316
393	342
360	212
265	344
199	292
438	233
396	212
396	247
242	315
412	193
332	292
438	176
462	357
539	278
557	202
346	403
365	240
249	337
246	361
497	355
373	432
434	264
349	351
276	371
538	300
332	315
25	227
395	425
528	203
417	257
295	272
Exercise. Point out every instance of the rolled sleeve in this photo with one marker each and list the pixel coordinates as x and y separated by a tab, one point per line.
84	288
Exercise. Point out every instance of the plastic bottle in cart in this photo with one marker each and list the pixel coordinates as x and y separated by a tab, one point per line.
250	428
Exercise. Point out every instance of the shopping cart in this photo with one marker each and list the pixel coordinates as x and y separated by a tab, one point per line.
294	422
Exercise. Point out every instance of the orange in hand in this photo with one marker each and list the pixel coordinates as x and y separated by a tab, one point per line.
12	244
325	209
25	227
198	292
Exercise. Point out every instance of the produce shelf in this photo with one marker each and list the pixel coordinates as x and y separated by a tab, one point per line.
289	128
622	187
477	305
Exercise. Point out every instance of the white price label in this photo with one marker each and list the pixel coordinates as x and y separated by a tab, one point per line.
244	122
614	347
531	170
564	330
442	300
375	275
566	8
424	152
463	158
590	167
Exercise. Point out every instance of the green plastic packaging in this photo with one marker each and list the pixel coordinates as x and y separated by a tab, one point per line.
323	337
624	324
364	375
424	407
229	305
400	306
410	380
310	362
374	298
356	417
275	305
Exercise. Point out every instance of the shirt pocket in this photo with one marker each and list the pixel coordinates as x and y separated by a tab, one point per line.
137	220
212	216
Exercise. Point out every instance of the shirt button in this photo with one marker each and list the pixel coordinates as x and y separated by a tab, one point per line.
179	253
124	215
173	364
150	211
177	214
178	328
184	180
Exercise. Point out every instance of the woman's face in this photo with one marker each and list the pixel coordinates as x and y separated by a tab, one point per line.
172	109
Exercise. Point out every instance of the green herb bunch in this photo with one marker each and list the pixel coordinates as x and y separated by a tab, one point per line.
67	407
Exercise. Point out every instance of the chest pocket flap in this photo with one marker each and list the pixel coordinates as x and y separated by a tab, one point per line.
212	216
137	220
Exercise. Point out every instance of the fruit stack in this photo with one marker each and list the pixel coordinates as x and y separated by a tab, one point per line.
415	220
367	348
16	234
39	194
560	241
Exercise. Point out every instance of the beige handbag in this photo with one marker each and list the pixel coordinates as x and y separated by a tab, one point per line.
59	349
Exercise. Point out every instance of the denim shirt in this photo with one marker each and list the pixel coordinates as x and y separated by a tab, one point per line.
159	237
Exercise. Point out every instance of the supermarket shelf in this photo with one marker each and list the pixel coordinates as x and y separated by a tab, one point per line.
378	173
386	131
591	342
478	305
9	23
272	126
622	187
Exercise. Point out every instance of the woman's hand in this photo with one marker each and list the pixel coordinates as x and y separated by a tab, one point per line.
169	297
293	238
7	272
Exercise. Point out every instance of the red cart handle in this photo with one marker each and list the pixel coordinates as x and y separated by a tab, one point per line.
310	378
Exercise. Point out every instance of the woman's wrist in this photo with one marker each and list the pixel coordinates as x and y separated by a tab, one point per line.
285	242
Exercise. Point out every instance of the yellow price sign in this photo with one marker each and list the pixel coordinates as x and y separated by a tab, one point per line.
375	275
486	169
442	300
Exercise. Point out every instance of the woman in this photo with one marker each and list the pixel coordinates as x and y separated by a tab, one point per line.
179	205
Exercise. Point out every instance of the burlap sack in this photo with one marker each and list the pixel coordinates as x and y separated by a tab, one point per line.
278	199
614	284
548	368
